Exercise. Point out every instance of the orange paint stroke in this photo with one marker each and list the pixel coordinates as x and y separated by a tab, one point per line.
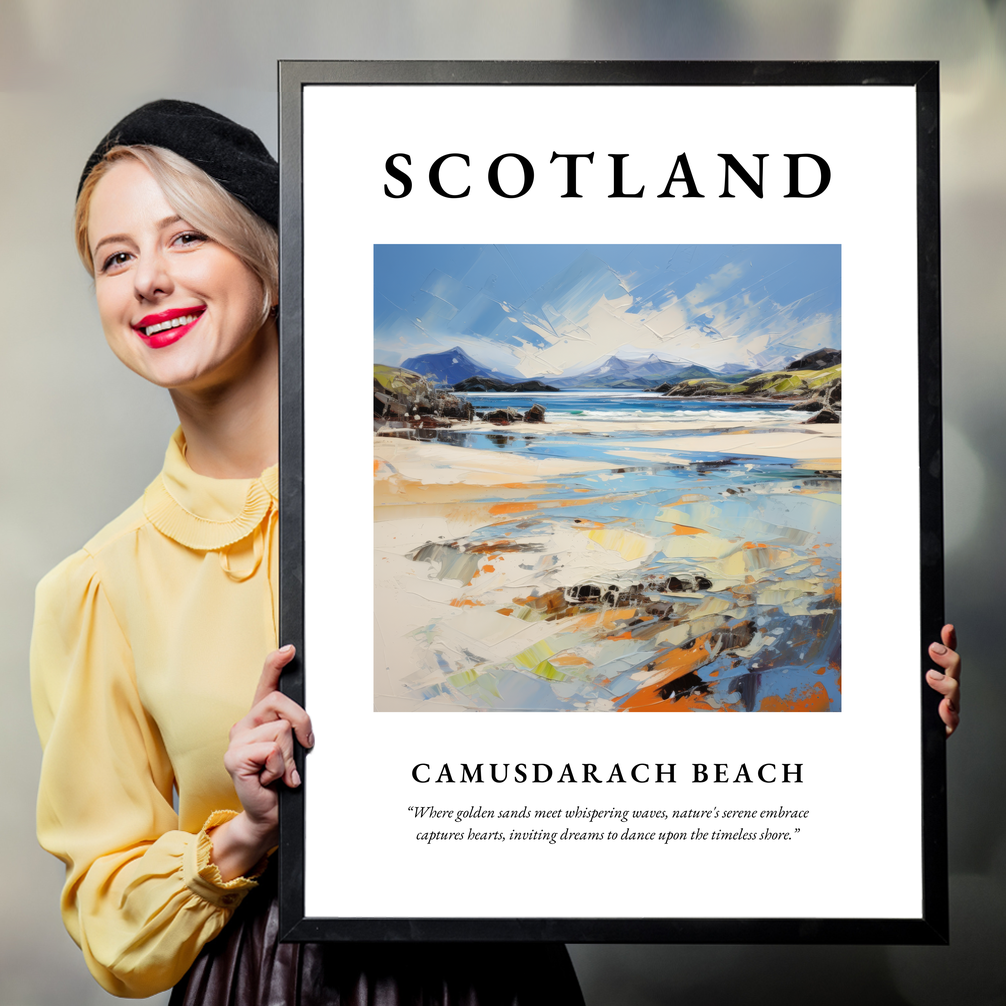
685	529
608	620
499	508
689	498
494	549
672	664
680	661
570	660
811	699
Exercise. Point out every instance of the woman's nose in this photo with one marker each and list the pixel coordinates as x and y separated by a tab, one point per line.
152	277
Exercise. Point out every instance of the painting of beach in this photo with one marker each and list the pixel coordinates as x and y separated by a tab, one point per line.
607	478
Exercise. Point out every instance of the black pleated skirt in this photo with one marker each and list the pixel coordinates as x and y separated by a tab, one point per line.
246	965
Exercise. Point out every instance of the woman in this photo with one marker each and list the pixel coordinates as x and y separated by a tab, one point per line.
148	643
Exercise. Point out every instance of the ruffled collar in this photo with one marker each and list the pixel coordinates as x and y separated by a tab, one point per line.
203	513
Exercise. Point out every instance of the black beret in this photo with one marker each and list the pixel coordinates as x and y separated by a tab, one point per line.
231	154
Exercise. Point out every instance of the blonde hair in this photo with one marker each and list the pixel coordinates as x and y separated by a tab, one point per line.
199	200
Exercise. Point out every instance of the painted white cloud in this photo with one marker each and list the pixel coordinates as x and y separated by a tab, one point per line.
588	312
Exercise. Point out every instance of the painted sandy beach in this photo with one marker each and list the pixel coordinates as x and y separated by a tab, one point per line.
637	550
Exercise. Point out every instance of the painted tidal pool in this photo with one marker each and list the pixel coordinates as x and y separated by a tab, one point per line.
632	553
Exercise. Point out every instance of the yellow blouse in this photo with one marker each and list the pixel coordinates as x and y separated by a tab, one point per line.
147	647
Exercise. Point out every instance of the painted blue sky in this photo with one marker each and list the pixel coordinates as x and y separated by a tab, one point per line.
538	310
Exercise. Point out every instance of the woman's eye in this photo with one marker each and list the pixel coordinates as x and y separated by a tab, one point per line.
114	261
190	238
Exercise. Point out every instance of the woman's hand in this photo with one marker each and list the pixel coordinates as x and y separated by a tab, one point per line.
948	681
260	753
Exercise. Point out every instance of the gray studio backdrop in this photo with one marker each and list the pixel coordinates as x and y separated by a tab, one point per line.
82	437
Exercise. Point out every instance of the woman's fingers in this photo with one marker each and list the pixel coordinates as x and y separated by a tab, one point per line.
949	660
260	760
946	656
949	710
274	767
949	688
261	749
270	703
277	706
271	671
947	680
949	636
275	735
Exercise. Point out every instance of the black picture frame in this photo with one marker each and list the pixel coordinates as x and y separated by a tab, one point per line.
932	925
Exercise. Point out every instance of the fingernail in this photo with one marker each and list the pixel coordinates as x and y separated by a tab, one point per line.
936	675
295	777
938	648
287	649
310	740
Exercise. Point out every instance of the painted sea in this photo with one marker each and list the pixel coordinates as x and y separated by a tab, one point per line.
634	553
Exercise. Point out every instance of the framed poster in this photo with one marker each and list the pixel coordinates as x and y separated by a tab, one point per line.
568	443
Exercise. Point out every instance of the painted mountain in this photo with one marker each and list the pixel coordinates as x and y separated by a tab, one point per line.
451	367
629	370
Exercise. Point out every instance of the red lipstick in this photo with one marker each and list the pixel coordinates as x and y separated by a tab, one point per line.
166	327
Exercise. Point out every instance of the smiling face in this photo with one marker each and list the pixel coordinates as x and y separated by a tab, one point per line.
177	307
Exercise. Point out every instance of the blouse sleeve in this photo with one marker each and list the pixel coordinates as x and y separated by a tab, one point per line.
141	898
